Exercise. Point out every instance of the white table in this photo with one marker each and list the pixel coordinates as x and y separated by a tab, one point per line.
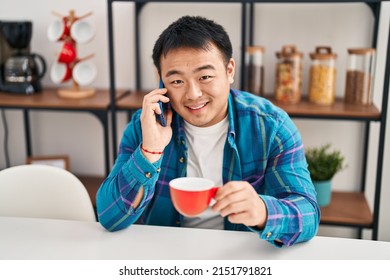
26	238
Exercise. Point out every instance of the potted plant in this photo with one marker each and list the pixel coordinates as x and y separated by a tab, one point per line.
323	164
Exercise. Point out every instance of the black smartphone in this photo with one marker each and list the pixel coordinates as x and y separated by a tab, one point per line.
161	118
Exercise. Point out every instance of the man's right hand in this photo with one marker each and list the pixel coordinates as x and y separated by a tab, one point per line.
154	136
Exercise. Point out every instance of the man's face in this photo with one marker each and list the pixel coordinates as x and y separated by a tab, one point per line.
198	83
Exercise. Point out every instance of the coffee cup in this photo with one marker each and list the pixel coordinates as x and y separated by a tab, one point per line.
84	73
60	72
68	53
58	30
81	31
191	196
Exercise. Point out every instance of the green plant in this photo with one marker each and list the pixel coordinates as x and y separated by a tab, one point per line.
323	164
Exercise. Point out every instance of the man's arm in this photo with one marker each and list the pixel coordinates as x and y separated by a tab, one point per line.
293	212
123	195
288	212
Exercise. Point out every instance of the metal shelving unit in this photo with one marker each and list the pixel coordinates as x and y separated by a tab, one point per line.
349	209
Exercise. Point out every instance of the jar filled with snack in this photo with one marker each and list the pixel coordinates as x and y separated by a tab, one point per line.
322	76
254	70
360	76
288	88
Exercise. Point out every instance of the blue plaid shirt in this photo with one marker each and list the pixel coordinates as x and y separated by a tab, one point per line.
263	147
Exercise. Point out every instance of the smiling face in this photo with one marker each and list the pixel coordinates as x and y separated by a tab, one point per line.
198	83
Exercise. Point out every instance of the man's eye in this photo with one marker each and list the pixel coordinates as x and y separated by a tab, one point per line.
205	77
176	82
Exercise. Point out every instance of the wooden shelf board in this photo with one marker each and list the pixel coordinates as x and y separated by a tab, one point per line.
49	99
131	101
337	110
303	109
347	208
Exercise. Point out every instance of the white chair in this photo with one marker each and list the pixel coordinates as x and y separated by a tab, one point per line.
43	191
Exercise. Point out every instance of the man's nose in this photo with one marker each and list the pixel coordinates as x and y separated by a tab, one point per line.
193	91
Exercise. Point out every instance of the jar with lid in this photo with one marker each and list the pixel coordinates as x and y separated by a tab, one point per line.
322	76
360	76
288	86
254	70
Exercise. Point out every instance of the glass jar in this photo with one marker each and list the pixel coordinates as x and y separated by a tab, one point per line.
254	70
288	88
360	76
322	76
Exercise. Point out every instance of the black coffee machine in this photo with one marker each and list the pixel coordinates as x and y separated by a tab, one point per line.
20	70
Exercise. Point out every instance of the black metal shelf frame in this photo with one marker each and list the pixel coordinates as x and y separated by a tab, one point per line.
247	25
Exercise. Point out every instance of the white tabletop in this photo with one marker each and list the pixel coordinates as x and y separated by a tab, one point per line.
26	238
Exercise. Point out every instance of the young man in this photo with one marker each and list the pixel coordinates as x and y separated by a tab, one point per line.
240	141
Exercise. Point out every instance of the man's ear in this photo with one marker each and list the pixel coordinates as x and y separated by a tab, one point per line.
230	70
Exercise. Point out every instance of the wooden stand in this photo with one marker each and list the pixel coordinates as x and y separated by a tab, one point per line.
81	93
75	92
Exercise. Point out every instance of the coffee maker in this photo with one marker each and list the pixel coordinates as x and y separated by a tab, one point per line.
20	70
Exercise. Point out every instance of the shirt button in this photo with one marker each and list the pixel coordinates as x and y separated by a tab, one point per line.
182	142
158	170
148	175
268	235
181	160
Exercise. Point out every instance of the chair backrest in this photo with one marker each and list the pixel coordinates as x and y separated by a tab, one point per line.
43	191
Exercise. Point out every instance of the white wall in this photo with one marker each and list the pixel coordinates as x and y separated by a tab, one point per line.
80	135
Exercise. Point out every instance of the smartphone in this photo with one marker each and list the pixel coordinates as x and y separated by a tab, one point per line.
161	118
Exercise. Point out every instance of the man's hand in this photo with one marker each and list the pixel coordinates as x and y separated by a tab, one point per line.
240	202
154	136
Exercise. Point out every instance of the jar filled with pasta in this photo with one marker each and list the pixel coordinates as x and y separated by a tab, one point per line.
360	76
322	76
288	88
254	70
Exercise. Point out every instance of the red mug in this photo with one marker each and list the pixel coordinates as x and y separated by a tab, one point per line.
191	196
68	53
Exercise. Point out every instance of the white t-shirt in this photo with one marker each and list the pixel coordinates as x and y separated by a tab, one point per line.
205	156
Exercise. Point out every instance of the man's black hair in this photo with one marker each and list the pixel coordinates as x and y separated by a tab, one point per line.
193	32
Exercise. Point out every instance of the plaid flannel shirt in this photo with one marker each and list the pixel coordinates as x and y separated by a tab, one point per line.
263	147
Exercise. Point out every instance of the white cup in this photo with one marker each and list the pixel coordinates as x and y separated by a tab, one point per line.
58	30
84	73
81	31
60	72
